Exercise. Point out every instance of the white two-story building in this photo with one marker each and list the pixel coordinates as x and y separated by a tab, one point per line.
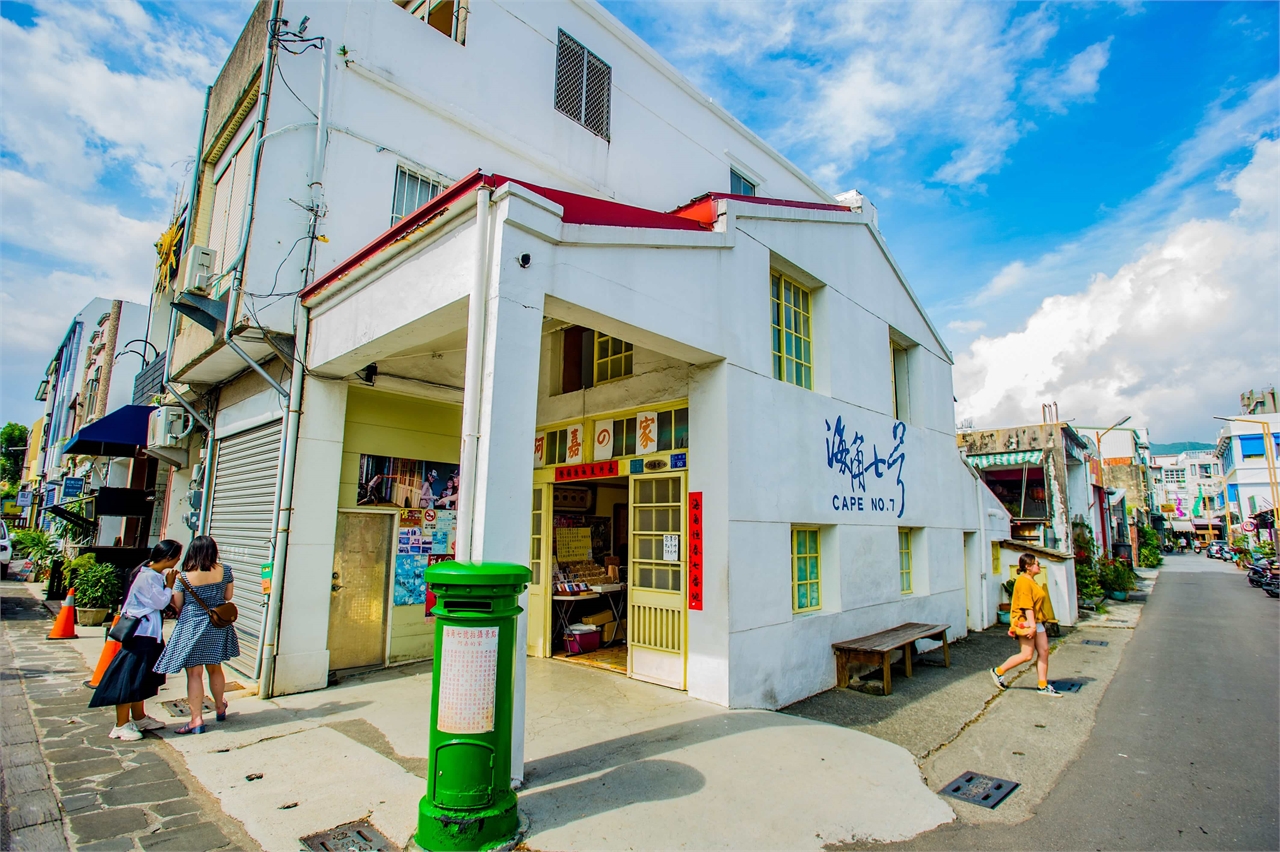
555	308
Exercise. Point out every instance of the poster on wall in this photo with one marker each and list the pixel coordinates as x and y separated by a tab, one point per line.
426	493
407	483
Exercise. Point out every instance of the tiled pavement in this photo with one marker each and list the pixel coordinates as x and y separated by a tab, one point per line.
104	794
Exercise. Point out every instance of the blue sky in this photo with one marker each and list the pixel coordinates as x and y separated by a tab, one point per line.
1083	196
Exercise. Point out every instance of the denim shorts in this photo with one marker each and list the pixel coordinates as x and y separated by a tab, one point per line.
1039	628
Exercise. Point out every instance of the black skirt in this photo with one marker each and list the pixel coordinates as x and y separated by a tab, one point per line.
131	676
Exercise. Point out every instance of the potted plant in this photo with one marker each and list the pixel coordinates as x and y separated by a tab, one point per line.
37	546
1002	611
97	588
1117	578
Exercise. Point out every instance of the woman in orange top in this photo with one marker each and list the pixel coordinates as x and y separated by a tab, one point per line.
1026	620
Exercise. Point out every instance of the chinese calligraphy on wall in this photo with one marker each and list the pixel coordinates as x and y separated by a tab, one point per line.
853	456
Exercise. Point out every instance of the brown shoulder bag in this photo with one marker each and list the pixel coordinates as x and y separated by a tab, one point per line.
222	615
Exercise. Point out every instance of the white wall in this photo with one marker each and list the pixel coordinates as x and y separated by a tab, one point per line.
403	93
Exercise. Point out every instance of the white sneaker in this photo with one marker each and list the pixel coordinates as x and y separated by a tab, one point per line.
128	732
146	723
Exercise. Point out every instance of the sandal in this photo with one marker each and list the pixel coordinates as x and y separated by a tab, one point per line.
221	715
191	729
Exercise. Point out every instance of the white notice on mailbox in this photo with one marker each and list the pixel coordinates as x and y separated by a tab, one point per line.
468	680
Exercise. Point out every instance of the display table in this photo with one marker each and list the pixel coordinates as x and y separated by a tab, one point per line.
562	605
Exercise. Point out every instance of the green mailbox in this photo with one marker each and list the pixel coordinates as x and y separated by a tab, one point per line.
469	803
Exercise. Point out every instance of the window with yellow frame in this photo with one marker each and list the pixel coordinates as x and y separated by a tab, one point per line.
613	358
792	332
806	569
904	560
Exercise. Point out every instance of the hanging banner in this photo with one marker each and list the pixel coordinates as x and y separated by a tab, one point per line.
573	449
646	432
695	550
604	440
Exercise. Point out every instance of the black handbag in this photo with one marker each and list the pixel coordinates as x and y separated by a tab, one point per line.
124	629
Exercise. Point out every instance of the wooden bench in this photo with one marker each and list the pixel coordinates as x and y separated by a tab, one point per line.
878	648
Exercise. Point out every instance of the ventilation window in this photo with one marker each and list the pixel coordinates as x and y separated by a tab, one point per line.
584	84
738	185
446	16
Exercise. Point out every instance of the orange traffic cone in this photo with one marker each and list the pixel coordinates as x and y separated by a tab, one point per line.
64	626
108	654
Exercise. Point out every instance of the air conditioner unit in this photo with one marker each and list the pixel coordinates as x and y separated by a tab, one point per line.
196	270
168	431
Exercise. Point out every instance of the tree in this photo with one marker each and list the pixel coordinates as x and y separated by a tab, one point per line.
13	449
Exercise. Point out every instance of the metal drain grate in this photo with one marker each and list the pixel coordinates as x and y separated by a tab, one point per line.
1099	642
179	708
1066	685
358	836
982	790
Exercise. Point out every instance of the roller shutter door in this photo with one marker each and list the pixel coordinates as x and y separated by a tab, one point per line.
241	522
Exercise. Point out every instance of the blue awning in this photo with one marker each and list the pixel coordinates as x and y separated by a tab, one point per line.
118	434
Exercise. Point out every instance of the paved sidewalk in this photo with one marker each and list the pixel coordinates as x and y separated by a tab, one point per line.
104	795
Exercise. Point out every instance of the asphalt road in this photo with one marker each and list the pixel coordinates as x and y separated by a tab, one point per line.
1185	753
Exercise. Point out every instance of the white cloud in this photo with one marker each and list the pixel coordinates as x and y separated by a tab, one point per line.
1170	338
1076	83
101	109
966	326
861	77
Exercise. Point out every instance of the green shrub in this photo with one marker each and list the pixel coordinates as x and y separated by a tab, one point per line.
38	546
1087	586
97	584
1266	549
1115	575
1149	555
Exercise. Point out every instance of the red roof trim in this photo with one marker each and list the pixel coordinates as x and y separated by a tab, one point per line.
703	208
578	210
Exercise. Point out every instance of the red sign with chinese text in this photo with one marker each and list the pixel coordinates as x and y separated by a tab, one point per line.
695	550
591	470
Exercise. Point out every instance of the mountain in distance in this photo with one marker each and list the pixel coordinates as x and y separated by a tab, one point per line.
1179	447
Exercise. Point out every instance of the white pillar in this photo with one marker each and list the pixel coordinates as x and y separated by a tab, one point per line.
508	417
302	661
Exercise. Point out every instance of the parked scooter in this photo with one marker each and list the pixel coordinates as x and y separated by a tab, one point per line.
1259	573
1271	585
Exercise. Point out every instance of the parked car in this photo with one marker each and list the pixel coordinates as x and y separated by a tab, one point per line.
1218	549
6	551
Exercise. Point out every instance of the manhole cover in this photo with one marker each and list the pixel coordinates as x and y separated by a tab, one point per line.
1066	685
179	708
982	790
358	836
1099	642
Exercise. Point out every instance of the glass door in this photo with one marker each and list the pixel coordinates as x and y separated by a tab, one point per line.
656	576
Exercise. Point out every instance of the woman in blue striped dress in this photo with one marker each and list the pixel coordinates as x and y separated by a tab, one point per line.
195	642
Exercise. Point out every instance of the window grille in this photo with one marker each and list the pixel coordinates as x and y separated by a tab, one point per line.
412	191
792	336
806	570
584	84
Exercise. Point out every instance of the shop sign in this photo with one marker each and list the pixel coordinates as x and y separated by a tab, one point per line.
848	456
646	432
468	680
590	470
655	464
604	440
679	461
72	486
1249	525
573	451
695	550
24	499
539	448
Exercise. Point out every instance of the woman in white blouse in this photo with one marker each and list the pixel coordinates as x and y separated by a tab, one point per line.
130	678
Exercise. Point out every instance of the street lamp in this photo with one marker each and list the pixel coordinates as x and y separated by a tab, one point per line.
1269	453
